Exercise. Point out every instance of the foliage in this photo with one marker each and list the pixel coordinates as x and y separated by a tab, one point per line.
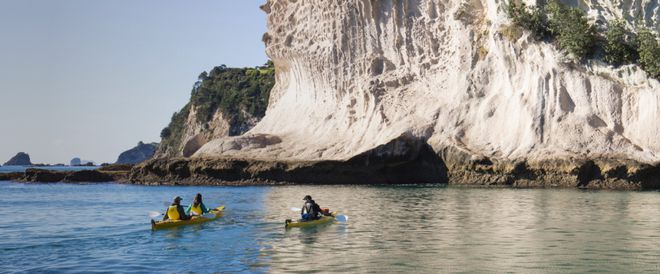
649	52
172	134
238	93
572	30
568	26
165	133
533	19
619	46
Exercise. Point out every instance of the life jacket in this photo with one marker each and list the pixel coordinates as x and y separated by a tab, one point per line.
311	208
196	210
173	213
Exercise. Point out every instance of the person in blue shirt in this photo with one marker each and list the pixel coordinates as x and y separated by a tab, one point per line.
310	210
197	207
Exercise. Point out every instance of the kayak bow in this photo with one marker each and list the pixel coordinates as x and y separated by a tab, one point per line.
217	213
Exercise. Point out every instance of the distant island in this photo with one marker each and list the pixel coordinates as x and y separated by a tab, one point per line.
21	159
117	172
78	162
138	154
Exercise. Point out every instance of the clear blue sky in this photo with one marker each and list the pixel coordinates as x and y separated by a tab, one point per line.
89	79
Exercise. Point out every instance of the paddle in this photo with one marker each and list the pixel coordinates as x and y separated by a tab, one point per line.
339	218
154	214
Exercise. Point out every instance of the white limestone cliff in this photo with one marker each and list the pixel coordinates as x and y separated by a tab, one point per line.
355	74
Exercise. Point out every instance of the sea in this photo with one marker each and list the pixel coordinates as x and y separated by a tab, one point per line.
88	228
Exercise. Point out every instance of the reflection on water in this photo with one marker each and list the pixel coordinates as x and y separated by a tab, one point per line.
391	229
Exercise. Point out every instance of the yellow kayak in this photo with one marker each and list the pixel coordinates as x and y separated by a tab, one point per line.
218	211
322	220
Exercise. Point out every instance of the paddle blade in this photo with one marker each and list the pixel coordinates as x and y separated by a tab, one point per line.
154	214
341	218
295	209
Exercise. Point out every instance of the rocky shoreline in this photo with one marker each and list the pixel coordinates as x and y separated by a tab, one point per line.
404	161
583	174
112	173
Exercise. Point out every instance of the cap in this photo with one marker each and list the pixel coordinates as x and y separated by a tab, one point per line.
307	198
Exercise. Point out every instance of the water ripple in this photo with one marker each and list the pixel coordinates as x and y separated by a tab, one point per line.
104	228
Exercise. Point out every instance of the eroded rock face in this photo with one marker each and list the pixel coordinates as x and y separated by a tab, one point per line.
195	135
353	75
403	160
356	78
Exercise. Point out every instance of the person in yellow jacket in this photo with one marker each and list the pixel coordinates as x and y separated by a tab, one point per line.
197	207
175	211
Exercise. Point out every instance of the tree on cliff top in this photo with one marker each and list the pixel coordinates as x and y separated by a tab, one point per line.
238	93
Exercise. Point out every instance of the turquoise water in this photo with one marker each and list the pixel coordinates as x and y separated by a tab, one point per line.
8	169
105	228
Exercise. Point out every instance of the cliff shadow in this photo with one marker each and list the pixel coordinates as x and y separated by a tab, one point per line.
404	160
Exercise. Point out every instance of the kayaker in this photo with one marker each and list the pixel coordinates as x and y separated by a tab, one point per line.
197	207
175	211
310	210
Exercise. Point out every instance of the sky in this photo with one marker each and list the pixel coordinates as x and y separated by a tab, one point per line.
91	79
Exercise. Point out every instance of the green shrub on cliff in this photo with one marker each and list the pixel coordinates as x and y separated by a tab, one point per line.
172	134
619	45
567	26
571	30
649	52
238	93
533	19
